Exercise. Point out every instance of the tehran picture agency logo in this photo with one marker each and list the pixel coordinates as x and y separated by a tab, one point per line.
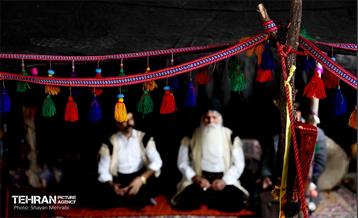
45	202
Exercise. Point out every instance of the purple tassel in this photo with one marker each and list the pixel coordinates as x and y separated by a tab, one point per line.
190	98
268	61
340	103
95	113
5	101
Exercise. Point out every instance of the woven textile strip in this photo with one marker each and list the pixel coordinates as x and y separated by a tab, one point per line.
112	57
328	63
140	78
345	46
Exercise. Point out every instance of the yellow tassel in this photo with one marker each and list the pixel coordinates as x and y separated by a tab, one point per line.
120	111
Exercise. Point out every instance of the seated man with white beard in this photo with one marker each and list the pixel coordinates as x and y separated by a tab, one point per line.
211	165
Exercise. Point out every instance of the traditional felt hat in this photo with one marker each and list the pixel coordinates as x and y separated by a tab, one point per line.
212	104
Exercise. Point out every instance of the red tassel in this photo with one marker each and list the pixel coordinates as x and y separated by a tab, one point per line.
98	91
264	75
315	88
330	80
202	77
168	103
71	112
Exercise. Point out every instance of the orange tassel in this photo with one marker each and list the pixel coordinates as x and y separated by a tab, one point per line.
258	51
71	112
150	86
120	111
250	51
168	105
52	90
353	119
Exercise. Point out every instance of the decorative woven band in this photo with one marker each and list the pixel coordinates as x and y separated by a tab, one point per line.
328	63
269	26
140	78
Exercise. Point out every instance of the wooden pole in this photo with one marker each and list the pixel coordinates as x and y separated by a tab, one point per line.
292	37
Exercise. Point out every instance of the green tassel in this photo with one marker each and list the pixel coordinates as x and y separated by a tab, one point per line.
121	72
305	35
48	107
239	84
237	79
145	104
22	86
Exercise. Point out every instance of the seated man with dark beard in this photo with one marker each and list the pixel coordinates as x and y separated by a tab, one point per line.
128	163
211	165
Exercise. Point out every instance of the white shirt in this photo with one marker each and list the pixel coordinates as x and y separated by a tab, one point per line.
213	157
230	176
129	157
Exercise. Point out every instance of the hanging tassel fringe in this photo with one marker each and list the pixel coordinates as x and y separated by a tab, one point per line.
330	81
5	101
168	105
145	104
71	112
120	111
202	77
190	97
237	78
266	66
259	50
353	119
174	82
150	86
268	61
95	113
98	91
48	107
52	90
22	86
238	83
340	103
315	88
264	76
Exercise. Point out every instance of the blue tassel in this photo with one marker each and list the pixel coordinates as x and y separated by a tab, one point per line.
95	113
268	61
340	103
190	98
174	83
309	64
5	101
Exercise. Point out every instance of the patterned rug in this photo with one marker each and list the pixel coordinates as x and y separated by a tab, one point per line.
162	209
340	203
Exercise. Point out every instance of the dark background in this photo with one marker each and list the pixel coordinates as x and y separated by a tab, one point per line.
110	27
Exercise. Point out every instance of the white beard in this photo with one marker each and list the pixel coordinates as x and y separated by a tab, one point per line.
212	144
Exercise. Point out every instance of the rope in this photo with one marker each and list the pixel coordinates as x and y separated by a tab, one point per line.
283	55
